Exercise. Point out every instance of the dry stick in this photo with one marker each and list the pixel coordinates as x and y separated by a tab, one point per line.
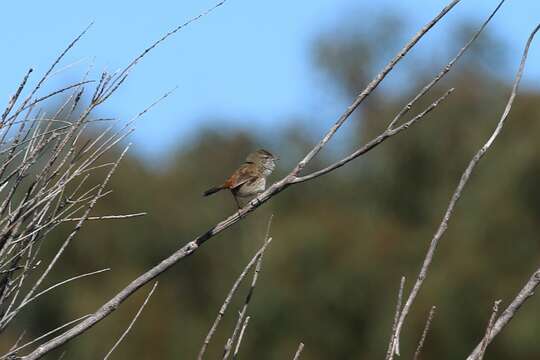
491	322
242	313
62	283
46	76
43	336
235	286
19	339
15	96
106	217
525	293
299	351
119	79
396	318
447	68
188	249
390	130
457	193
424	333
240	337
132	322
372	86
77	227
56	92
374	142
56	218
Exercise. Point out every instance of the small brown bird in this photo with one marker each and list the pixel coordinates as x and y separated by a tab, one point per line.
250	178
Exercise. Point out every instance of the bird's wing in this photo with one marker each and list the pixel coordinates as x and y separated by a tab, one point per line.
243	175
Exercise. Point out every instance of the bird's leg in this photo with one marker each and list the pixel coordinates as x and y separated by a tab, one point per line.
236	200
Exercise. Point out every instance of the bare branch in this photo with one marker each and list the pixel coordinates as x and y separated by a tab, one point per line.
44	336
120	78
484	343
389	352
240	337
525	293
457	193
60	284
242	313
373	143
299	351
276	188
233	290
424	333
372	86
106	217
132	322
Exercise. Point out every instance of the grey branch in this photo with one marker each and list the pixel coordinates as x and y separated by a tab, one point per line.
489	327
141	308
14	351
240	337
188	249
299	351
389	352
459	190
233	290
242	313
525	293
424	333
106	217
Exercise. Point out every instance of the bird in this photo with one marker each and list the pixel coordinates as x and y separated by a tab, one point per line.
250	178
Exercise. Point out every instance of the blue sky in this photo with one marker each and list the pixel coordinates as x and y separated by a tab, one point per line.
249	61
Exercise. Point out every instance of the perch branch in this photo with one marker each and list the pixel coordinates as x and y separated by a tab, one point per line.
108	307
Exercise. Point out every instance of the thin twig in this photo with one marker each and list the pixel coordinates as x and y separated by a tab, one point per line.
524	294
242	313
299	351
396	318
132	322
386	134
424	333
371	87
45	335
240	337
62	283
459	190
489	328
106	217
233	290
113	85
188	249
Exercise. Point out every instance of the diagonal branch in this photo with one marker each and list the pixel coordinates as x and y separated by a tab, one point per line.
107	308
372	86
233	290
424	333
141	308
299	351
459	190
389	352
525	293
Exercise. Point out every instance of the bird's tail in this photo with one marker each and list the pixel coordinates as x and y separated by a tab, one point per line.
213	190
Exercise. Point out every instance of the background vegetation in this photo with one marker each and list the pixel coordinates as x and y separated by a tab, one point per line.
341	243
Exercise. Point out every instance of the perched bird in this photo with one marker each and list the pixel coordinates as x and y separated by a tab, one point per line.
250	178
